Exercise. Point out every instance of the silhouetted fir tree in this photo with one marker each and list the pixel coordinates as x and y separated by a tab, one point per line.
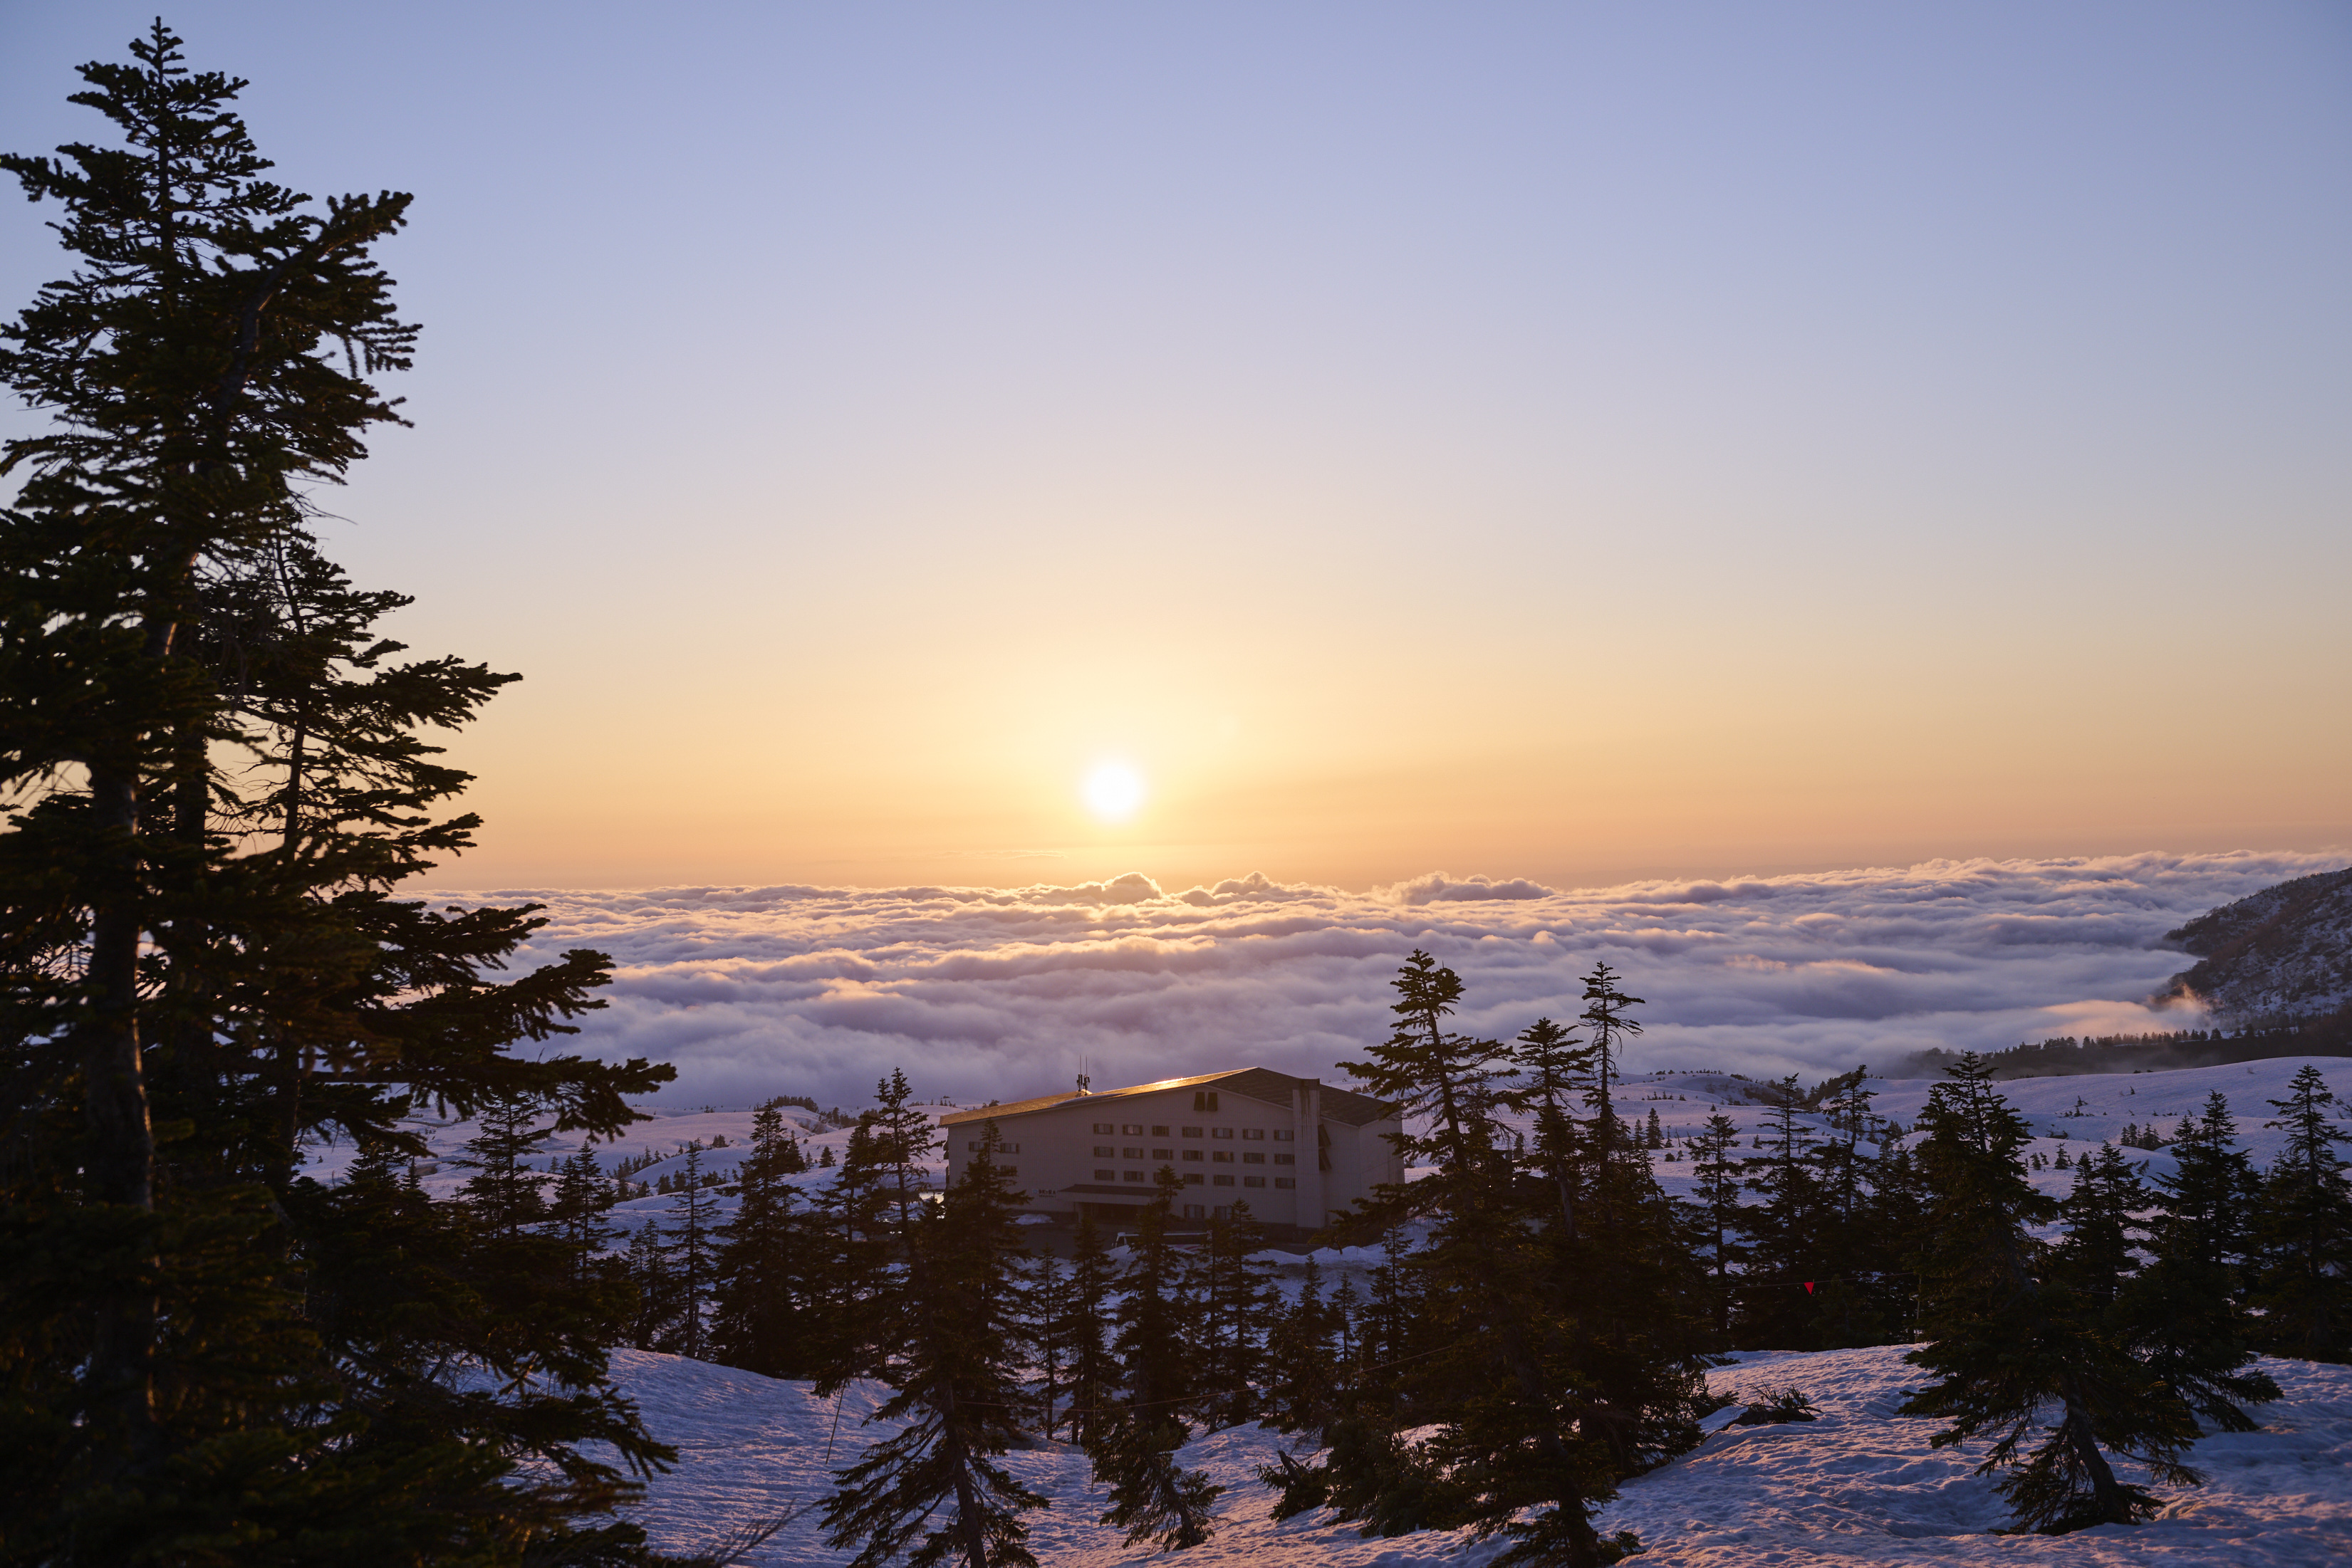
217	780
576	1215
1720	1215
769	1299
2010	1338
1347	1313
504	1189
1232	1299
693	1252
1090	1371
1607	1014
1133	1448
1859	1291
1553	1062
854	1227
2304	1284
2186	1309
1304	1356
952	1360
2097	1253
1775	1309
1503	1393
658	1301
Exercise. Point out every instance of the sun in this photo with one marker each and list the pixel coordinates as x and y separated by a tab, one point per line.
1113	791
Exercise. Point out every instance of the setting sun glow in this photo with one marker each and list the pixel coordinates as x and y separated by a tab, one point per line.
1113	791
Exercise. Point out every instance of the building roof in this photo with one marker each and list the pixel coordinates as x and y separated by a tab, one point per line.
1261	1083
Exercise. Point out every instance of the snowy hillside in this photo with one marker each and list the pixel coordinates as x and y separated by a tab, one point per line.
2287	950
1860	1484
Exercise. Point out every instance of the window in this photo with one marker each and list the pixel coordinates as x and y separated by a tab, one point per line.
1106	1176
1204	1100
1193	1154
1194	1211
1000	1148
1163	1153
1253	1134
1221	1133
1010	1170
1224	1156
1253	1181
1281	1134
1224	1211
1286	1159
1191	1131
1130	1175
1104	1151
1195	1181
1104	1127
1286	1181
1224	1181
1253	1159
1159	1131
1130	1153
1133	1129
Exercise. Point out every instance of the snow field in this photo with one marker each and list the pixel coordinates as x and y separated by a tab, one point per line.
1859	1485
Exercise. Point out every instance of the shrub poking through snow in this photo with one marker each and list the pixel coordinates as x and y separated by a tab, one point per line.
1769	1404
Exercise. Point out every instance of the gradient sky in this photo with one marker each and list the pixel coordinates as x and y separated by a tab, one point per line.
1575	442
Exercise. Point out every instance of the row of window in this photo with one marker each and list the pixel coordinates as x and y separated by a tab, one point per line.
973	1146
1247	1134
1282	1183
1220	1156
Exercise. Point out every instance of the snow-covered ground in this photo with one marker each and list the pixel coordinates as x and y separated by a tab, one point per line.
1860	1484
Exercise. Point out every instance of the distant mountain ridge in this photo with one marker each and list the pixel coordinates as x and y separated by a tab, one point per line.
2282	952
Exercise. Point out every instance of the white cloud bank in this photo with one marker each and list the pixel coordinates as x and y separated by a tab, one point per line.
1000	993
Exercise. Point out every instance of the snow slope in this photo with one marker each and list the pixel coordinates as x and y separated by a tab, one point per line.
1860	1484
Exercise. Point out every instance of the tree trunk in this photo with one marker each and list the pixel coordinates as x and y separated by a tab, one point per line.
120	1164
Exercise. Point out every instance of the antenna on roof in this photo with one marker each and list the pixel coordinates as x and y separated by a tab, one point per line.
1085	1082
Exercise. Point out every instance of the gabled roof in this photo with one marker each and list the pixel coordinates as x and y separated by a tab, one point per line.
1261	1083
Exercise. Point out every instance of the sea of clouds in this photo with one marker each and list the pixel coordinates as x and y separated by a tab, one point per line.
984	993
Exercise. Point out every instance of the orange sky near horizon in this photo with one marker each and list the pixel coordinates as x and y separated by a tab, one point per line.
1575	442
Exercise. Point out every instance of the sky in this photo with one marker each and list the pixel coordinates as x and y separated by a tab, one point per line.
982	994
1575	442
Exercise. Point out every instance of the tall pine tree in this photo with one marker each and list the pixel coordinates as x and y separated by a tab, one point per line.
218	780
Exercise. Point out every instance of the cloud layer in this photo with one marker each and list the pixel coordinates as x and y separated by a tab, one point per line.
987	993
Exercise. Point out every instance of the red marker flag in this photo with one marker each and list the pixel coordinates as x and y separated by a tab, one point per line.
1808	1287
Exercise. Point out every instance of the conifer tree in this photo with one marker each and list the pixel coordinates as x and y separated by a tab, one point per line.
217	780
1089	1370
1302	1390
1506	1396
1153	1497
2186	1311
1233	1297
582	1198
1606	1013
2097	1253
2010	1339
952	1360
693	1252
2305	1283
768	1303
1720	1214
1551	1062
504	1187
1776	1311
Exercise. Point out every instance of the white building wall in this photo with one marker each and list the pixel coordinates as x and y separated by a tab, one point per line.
1053	1154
